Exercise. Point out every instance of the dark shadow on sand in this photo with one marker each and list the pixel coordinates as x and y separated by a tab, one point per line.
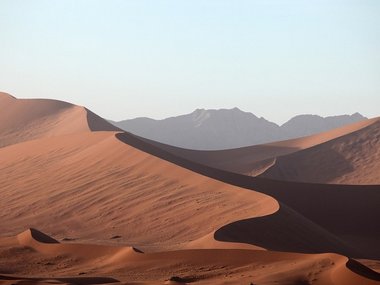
349	212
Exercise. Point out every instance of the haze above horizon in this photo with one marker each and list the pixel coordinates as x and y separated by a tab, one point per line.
126	59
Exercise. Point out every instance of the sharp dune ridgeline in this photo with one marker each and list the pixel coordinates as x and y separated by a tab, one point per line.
83	202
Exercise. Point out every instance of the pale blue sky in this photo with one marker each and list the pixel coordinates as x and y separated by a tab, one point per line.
124	59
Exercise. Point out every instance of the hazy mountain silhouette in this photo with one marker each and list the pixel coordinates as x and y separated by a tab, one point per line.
229	128
304	125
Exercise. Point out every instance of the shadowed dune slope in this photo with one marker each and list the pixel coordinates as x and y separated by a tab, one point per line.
28	119
346	211
253	160
350	159
99	264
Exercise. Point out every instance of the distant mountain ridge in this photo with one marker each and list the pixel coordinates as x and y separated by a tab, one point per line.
229	128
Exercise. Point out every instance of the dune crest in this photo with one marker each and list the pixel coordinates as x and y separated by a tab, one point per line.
350	159
28	119
318	203
31	236
6	97
91	177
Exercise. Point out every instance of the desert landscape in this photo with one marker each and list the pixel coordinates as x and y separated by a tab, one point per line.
84	202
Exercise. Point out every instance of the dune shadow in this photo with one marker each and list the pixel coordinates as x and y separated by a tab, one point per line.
294	166
284	230
348	212
96	123
362	270
41	237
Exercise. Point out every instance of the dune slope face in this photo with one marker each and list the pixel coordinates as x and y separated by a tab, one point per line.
351	159
73	184
28	119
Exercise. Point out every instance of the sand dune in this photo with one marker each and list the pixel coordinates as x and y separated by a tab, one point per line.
103	194
346	211
144	200
350	159
87	178
203	266
28	119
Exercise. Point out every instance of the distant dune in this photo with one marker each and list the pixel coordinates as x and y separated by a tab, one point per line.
85	203
350	159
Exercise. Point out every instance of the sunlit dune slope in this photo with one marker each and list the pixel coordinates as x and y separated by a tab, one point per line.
47	261
68	184
27	119
77	185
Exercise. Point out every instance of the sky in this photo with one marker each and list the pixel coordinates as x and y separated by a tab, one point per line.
127	59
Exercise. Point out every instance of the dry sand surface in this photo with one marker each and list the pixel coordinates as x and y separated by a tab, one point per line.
51	262
350	159
82	203
28	119
90	181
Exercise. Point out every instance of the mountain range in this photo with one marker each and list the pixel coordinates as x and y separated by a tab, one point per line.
229	128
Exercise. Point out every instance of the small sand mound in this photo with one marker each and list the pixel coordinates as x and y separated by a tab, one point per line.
41	237
177	280
31	236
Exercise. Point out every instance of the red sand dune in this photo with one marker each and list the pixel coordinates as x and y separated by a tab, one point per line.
28	119
105	188
346	211
350	159
64	263
67	185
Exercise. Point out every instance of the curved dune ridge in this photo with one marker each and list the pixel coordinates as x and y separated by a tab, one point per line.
93	178
346	211
350	159
90	178
88	184
208	266
28	119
